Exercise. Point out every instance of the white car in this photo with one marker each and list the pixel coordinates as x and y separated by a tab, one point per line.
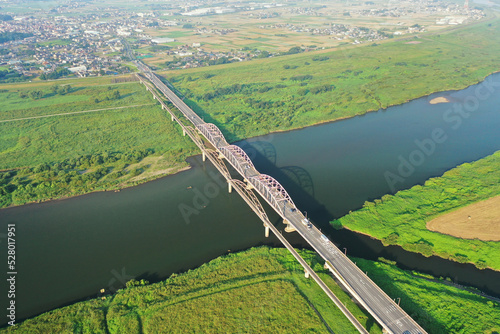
324	238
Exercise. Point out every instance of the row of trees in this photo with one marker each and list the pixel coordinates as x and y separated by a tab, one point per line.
13	36
110	96
38	94
12	76
233	89
56	74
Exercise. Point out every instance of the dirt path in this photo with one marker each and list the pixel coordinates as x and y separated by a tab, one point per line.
75	112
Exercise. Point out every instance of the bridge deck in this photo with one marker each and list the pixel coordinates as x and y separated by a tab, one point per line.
387	313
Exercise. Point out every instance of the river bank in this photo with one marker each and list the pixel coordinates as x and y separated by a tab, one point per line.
227	285
295	91
401	219
174	170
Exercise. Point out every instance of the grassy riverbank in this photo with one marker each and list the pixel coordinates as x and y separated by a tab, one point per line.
78	136
401	219
263	290
261	96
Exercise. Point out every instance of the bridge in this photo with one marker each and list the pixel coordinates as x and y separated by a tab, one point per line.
214	146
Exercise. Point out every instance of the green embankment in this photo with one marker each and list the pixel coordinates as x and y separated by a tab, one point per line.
401	219
264	290
257	97
126	138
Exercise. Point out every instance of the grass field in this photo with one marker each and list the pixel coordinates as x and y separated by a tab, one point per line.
90	138
140	124
257	97
264	290
475	221
402	218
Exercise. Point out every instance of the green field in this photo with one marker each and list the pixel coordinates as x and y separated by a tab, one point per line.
261	96
401	219
56	42
264	290
122	126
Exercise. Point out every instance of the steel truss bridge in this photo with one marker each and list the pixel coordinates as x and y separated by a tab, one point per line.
214	146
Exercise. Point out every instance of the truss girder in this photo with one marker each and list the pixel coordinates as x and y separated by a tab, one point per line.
213	134
272	190
218	163
238	158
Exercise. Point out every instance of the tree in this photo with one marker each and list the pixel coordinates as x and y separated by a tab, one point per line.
294	50
35	94
263	54
65	89
54	88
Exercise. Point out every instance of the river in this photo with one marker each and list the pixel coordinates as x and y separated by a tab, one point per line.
67	250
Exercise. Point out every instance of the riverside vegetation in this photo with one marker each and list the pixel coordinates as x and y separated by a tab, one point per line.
264	290
125	139
401	219
275	94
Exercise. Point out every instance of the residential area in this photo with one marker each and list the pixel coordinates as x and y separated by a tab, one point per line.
60	41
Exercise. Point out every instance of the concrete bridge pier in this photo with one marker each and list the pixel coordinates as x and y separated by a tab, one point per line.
229	187
203	156
306	273
267	230
183	132
172	117
249	185
289	227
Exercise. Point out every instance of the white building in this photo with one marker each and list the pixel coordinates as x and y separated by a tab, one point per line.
162	40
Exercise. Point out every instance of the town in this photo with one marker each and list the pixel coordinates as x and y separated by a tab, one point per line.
55	42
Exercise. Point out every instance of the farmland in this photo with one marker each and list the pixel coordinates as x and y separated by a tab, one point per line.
282	93
478	220
99	117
